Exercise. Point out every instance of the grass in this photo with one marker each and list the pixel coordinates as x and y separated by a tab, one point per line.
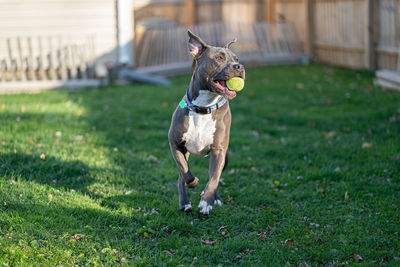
313	176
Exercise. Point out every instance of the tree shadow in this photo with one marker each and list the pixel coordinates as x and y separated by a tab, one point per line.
46	170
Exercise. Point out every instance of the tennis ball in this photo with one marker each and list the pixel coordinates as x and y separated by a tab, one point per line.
235	83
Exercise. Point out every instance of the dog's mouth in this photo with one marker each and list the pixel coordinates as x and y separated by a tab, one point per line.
222	89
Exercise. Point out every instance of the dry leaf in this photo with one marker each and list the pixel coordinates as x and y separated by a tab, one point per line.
346	196
330	134
168	252
208	242
356	256
239	256
76	237
289	242
366	145
232	171
42	156
154	159
262	235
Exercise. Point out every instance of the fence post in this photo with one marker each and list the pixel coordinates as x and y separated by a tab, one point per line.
309	17
369	35
190	12
269	10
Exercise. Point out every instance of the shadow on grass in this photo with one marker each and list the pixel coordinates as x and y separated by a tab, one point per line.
47	170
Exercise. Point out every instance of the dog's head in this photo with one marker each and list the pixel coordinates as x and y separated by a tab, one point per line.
212	66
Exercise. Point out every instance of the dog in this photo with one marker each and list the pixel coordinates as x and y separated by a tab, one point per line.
201	122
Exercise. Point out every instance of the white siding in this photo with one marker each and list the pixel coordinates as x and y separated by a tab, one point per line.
70	19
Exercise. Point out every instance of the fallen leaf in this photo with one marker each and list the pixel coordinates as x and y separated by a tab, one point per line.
312	123
346	196
42	156
153	211
299	85
221	229
330	134
168	252
289	242
232	171
239	256
77	237
302	264
366	145
356	256
262	235
78	112
153	159
255	133
208	242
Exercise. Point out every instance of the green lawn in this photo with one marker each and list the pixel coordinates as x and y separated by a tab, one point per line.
314	175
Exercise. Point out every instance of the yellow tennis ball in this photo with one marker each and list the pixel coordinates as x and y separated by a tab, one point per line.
235	83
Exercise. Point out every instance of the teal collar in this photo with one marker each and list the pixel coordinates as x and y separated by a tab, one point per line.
202	110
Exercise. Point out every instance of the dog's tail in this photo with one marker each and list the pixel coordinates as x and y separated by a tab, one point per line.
226	160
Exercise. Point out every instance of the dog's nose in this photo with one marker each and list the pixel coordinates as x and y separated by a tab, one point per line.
237	66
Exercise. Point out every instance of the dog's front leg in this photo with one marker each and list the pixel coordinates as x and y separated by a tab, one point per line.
185	176
209	196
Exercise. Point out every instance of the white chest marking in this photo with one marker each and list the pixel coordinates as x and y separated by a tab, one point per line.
200	134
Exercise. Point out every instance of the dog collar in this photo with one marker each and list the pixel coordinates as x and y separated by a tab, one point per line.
202	110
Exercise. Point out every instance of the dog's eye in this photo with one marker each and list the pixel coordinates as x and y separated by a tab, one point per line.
220	58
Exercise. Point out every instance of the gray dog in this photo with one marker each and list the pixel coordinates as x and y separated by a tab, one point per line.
201	123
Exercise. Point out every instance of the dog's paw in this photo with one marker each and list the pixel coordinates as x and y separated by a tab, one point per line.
218	202
193	183
204	207
186	207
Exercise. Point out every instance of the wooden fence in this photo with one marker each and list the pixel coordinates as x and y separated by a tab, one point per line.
163	49
350	33
38	63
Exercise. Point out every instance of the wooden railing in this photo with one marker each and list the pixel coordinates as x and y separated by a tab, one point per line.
37	63
351	33
257	42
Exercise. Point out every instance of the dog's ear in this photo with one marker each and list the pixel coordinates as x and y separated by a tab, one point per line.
228	45
196	46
